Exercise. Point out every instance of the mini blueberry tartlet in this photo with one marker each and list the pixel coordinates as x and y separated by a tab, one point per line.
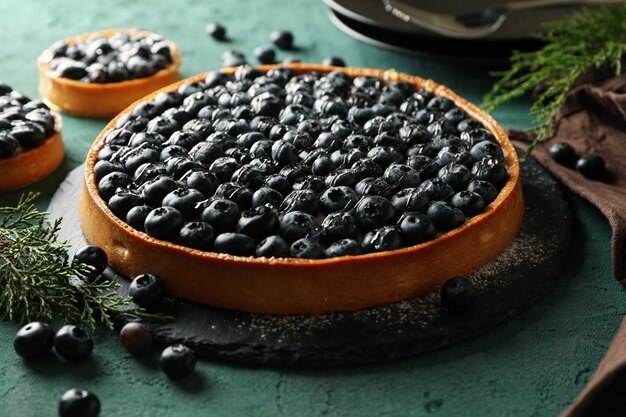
99	74
301	188
30	140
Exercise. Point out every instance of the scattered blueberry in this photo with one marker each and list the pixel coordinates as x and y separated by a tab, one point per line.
136	338
33	340
458	295
147	290
177	361
282	38
93	256
334	61
265	54
73	343
563	153
591	166
216	31
79	403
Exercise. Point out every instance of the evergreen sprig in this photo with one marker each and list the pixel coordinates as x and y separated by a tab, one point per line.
38	281
589	39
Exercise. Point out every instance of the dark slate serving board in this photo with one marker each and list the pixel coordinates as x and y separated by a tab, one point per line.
507	285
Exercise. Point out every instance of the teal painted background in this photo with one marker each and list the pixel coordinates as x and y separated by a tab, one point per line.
533	365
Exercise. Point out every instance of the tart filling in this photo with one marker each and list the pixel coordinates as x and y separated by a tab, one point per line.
100	73
378	171
30	139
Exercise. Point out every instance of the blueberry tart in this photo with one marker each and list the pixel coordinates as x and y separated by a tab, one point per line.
301	188
99	74
30	140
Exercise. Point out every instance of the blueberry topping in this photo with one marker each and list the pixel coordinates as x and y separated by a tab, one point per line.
196	235
469	202
343	247
337	226
147	290
79	403
33	340
485	189
337	198
272	246
445	216
459	295
298	224
73	343
164	223
416	228
222	214
258	222
382	239
235	244
306	247
591	166
186	201
136	338
372	212
177	361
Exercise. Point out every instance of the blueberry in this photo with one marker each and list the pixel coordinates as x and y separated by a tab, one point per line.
301	200
307	248
147	290
266	195
234	192
222	214
186	201
28	134
148	172
33	340
265	54
73	343
436	189
322	166
136	216
410	199
284	153
455	175
79	403
445	216
337	198
385	156
177	361
486	148
491	170
136	157
122	201
416	228
224	168
216	31
111	182
341	177
485	189
196	235
8	145
373	186
468	125
469	202
279	183
343	247
136	338
266	104
337	226
236	244
43	118
372	212
93	256
591	166
382	239
164	223
402	176
258	223
272	246
71	69
334	61
298	224
204	181
155	190
366	167
295	171
233	59
563	153
458	295
282	38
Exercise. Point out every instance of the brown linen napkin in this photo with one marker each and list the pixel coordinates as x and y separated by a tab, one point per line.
593	121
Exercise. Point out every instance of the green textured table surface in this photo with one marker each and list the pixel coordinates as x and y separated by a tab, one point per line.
533	365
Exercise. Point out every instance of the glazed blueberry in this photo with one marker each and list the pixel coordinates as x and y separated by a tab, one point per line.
491	170
455	175
111	182
266	195
33	340
73	343
163	223
236	244
486	148
272	246
136	216
373	186
279	183
186	201
306	247
591	166
301	200
343	247
155	190
458	295
337	198
402	176
282	38
222	214
147	290
563	153
177	361
93	256
224	168
204	181
124	200
372	212
43	118
334	61
445	216
216	31
79	403
337	226
410	199
258	223
298	224
196	235
284	153
382	239
28	134
485	189
436	189
8	145
469	202
416	228
136	338
236	193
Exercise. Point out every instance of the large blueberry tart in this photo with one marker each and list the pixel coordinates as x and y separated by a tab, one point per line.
100	73
301	189
30	140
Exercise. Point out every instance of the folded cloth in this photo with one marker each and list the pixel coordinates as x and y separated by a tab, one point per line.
593	121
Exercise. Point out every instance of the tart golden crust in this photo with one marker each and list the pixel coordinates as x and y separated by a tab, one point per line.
294	286
34	164
100	100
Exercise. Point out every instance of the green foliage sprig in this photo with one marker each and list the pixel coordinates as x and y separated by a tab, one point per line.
39	282
573	46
